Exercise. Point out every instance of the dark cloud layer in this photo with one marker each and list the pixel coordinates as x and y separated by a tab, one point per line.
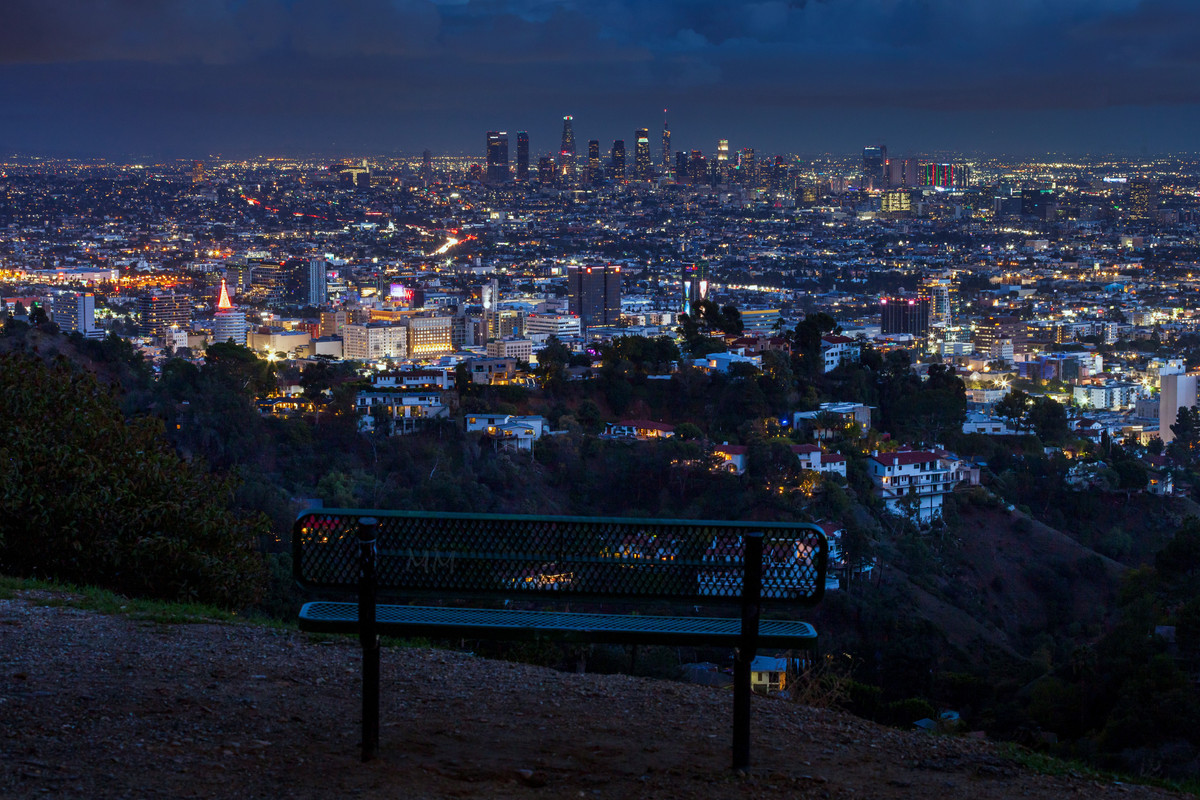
256	75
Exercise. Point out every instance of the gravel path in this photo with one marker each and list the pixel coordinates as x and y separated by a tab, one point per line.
97	706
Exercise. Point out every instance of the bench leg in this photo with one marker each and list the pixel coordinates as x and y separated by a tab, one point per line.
370	709
741	709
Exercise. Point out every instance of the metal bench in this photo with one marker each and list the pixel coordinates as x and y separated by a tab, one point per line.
722	575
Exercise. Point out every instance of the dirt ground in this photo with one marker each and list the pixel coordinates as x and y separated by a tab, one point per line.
98	706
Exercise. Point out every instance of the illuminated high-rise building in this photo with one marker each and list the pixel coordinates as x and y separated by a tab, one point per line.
489	295
694	284
698	168
593	167
594	293
875	167
666	148
904	315
427	167
157	312
566	154
618	161
497	157
1142	199
197	172
547	170
522	157
940	290
747	167
946	176
641	161
75	312
779	172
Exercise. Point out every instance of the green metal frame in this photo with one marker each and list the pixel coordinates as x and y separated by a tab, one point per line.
740	566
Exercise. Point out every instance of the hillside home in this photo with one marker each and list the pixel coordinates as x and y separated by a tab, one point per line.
404	412
638	429
912	483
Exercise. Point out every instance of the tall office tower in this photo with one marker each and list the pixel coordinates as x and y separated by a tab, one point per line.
1142	199
875	167
723	165
489	294
682	172
522	157
747	167
722	150
197	172
940	289
229	323
946	176
75	312
641	161
1038	203
618	161
1175	392
779	174
547	170
566	154
995	328
694	283
594	293
427	167
316	285
666	148
157	312
497	157
698	168
904	315
904	173
593	167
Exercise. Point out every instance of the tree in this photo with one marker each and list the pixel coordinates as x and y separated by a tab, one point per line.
1013	407
93	498
1186	445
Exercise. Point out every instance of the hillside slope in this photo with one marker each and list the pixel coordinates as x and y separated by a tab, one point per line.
103	706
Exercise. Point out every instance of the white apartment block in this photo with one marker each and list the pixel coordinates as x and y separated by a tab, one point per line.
521	349
374	341
564	326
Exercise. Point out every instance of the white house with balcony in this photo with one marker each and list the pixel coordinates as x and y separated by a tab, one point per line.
813	457
913	483
403	412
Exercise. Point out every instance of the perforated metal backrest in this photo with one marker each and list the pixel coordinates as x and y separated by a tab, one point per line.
440	554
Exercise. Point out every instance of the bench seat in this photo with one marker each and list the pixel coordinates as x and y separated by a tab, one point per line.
481	623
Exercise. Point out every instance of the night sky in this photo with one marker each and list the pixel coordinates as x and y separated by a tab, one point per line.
198	78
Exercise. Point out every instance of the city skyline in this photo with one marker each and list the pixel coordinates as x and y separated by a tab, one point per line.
273	76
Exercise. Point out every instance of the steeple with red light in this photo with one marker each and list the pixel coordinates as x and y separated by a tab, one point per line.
223	303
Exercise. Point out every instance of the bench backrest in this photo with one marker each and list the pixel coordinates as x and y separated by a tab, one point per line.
439	554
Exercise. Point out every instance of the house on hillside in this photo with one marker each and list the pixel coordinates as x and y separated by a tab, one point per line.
831	419
401	411
838	350
814	458
639	429
912	483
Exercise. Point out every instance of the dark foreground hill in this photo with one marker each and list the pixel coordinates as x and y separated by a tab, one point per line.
100	706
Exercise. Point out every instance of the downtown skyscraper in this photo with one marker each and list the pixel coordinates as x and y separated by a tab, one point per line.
522	157
497	157
566	153
642	169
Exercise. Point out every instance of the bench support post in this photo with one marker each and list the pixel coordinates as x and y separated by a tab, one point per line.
367	590
747	648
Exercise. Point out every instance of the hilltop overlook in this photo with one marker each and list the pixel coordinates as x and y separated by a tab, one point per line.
100	706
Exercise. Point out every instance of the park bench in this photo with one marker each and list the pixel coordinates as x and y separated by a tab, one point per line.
675	582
